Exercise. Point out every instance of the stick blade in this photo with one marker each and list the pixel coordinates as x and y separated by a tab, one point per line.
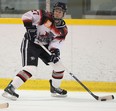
105	98
4	105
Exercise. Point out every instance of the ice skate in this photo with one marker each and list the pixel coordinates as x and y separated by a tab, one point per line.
57	92
9	92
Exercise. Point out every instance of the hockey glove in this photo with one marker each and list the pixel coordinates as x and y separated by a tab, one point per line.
31	32
55	55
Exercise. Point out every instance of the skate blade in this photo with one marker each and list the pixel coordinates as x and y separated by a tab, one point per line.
9	96
58	95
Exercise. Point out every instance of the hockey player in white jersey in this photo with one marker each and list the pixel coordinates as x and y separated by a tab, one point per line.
50	29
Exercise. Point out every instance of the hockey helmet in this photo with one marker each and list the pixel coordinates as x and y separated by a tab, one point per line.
60	5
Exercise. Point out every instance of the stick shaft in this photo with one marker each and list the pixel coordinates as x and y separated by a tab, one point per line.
70	73
96	97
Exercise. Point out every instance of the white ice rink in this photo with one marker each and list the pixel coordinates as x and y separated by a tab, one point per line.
42	101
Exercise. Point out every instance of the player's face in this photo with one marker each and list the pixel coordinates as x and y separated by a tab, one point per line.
58	13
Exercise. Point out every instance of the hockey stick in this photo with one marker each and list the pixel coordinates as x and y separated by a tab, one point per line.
103	98
4	105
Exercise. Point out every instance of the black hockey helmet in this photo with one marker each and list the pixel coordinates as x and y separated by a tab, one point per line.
60	5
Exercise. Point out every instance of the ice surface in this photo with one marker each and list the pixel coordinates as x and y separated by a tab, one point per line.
42	101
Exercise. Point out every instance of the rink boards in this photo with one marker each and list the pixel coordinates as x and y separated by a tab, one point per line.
70	85
67	84
68	21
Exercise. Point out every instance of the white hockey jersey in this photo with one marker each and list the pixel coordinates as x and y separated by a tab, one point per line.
47	32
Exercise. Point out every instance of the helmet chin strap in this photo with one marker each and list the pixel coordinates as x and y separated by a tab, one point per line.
57	21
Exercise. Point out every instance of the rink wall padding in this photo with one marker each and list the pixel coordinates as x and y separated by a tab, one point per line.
68	21
70	85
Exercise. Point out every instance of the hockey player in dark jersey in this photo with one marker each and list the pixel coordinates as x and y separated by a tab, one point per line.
50	29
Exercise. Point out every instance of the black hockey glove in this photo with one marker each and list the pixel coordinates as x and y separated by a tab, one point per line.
31	32
55	55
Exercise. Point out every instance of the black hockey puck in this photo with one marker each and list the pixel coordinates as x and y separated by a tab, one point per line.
103	99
